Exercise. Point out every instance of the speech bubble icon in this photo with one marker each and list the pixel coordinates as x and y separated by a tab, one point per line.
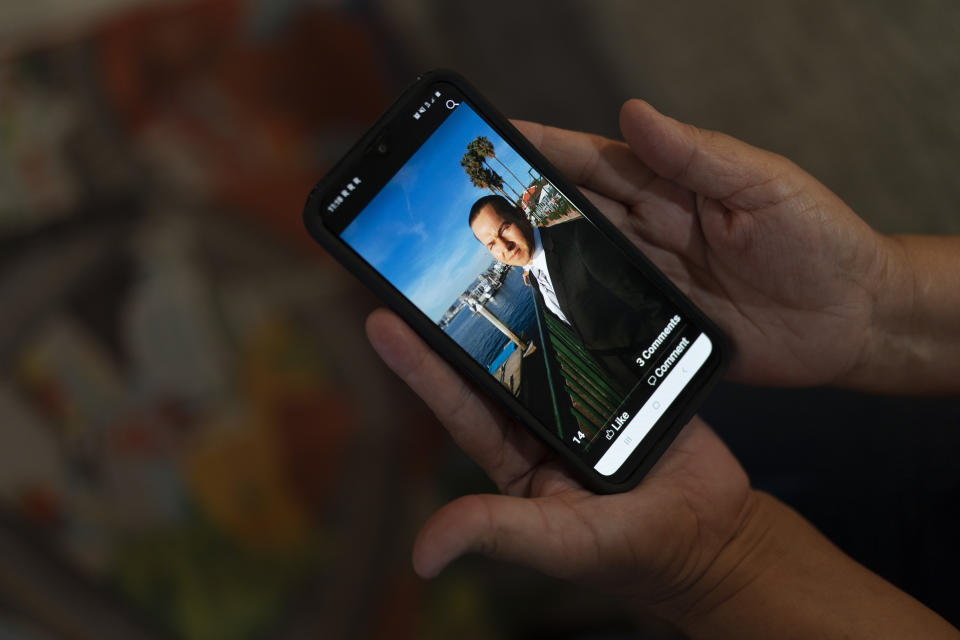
652	380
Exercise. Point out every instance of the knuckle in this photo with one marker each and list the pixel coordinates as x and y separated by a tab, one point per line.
489	542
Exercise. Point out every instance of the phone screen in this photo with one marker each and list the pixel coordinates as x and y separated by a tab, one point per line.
503	263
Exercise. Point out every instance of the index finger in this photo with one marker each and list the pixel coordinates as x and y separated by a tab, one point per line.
603	165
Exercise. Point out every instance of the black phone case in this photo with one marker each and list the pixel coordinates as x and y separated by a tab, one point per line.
671	422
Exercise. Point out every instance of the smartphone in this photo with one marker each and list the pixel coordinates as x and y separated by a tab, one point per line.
499	263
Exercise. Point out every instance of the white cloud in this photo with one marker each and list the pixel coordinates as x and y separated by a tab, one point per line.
437	286
418	229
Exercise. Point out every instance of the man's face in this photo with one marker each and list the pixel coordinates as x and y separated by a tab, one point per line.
504	240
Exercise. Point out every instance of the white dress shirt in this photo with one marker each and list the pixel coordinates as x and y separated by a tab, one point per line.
538	267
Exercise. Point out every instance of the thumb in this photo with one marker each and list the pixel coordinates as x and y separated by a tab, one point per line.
706	162
512	529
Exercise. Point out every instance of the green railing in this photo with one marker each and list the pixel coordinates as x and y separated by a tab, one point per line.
582	396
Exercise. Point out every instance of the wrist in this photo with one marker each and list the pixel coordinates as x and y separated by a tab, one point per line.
779	577
740	563
912	342
886	344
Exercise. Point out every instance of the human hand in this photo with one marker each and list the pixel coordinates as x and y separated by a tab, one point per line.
764	249
692	542
660	542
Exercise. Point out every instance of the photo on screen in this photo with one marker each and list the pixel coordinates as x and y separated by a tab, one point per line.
505	265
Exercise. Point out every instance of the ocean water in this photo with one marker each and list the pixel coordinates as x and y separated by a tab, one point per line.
513	304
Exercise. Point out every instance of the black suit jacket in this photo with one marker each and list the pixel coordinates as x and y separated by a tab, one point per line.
604	296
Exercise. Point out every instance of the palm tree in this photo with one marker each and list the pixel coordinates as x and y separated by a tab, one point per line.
482	146
481	175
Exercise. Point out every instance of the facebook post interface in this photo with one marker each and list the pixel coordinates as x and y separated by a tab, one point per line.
493	253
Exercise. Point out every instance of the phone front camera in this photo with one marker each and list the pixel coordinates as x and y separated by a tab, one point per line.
383	147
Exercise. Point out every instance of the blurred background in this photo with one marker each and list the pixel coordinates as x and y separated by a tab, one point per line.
196	440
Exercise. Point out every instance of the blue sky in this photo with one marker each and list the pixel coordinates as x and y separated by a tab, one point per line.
415	230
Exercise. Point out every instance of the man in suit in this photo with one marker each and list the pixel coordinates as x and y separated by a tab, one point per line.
583	278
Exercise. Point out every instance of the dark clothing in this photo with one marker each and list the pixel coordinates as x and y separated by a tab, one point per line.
604	296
